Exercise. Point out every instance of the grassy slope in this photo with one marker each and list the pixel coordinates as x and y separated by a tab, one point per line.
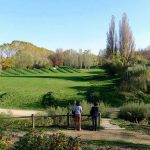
25	89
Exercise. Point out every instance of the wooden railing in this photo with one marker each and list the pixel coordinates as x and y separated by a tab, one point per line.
68	117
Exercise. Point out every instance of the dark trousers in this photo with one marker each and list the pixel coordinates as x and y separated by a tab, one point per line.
94	122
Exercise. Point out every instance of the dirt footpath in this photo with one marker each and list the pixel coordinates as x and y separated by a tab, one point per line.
19	113
123	135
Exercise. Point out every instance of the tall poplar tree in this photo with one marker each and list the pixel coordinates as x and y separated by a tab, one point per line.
111	47
126	40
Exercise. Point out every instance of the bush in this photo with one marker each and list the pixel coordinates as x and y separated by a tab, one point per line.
138	77
113	66
148	113
48	100
40	141
57	111
93	96
5	140
104	109
134	112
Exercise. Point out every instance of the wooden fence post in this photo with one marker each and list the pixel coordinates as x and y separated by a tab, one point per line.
33	121
68	120
99	120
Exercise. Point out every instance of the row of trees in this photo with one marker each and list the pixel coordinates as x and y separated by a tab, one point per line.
26	55
72	58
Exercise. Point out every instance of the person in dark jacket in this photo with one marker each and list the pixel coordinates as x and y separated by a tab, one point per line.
94	112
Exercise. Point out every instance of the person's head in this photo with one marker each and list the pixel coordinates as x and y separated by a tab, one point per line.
78	103
95	104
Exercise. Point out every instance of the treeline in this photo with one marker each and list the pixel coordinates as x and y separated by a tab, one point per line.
72	58
145	52
19	54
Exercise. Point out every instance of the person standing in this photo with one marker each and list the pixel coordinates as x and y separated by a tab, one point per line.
94	112
77	112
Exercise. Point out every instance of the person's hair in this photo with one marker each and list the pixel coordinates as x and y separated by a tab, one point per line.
78	103
95	104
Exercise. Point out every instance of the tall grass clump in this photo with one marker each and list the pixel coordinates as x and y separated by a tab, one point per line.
103	108
86	120
60	120
148	114
135	112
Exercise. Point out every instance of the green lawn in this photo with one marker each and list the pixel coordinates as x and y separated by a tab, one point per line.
23	89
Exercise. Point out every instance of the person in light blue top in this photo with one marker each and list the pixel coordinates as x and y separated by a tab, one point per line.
77	111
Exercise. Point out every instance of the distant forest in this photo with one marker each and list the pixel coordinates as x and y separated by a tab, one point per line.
19	54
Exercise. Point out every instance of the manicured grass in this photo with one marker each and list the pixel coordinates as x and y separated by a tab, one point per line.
24	88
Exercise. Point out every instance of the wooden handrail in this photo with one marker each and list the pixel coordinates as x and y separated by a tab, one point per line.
33	117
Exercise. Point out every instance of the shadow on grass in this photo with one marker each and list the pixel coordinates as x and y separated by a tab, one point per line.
96	72
108	93
102	77
72	78
2	94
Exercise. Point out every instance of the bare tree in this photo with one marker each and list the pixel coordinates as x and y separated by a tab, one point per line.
87	59
60	56
8	50
126	40
80	58
111	47
100	56
71	58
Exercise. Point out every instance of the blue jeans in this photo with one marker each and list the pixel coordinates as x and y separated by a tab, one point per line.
94	122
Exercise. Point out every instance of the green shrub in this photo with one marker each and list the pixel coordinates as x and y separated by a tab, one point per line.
138	77
114	65
40	141
57	121
134	112
104	109
93	96
48	100
148	113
